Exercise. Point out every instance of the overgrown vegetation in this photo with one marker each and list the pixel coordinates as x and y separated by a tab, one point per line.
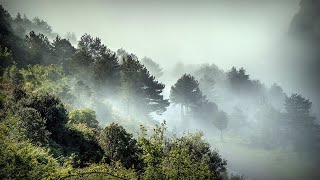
71	112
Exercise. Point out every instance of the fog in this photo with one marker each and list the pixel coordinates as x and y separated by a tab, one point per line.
204	39
227	33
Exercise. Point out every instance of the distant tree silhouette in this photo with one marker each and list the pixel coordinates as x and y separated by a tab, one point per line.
187	93
39	49
153	67
94	57
301	122
63	52
220	121
139	88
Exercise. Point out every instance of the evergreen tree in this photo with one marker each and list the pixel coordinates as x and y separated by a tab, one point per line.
94	57
302	123
63	51
186	92
140	88
39	49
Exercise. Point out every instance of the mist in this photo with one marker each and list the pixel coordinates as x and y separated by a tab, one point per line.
237	71
227	33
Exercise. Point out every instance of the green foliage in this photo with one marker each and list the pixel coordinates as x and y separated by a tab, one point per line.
47	79
22	160
5	59
50	108
85	116
33	126
241	84
139	89
37	142
118	145
182	162
12	75
63	52
81	140
186	92
99	171
303	128
101	63
39	48
187	157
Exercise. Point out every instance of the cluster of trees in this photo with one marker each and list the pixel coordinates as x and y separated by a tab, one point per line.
47	129
194	105
41	139
90	68
278	120
44	133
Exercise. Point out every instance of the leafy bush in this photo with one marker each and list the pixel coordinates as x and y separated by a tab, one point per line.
119	145
50	108
187	157
33	125
85	116
22	160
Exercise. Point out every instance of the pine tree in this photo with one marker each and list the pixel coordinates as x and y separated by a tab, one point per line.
301	122
139	88
186	92
63	52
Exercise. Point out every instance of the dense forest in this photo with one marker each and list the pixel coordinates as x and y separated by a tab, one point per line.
71	108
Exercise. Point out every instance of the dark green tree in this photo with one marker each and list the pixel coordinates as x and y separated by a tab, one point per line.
186	92
39	49
33	126
239	80
118	145
63	51
301	122
10	40
5	59
95	58
85	116
50	108
139	88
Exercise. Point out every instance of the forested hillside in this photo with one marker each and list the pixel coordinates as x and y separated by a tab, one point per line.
72	108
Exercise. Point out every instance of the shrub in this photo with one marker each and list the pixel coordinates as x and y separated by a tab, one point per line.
85	116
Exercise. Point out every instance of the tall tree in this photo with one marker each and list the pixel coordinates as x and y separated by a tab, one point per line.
39	48
239	80
221	122
63	51
302	123
140	88
186	92
118	145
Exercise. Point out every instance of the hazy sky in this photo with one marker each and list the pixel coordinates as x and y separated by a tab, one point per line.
224	32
